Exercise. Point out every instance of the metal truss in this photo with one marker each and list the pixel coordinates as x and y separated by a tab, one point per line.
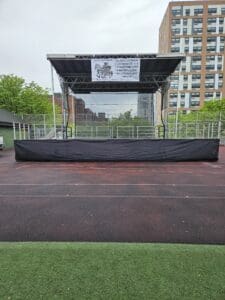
151	82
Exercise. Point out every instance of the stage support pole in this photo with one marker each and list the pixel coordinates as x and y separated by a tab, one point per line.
53	101
164	96
65	94
73	116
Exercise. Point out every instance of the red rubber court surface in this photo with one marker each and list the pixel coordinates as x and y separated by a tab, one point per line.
104	201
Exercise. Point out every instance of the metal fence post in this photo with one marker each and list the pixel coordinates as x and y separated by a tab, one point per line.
14	130
28	131
34	131
20	136
24	131
208	130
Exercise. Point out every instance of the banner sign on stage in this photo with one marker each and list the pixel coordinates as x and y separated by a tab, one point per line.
115	69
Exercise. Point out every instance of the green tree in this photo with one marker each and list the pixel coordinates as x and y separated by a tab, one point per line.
20	97
214	106
11	87
212	111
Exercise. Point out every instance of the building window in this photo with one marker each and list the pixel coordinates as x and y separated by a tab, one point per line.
197	30
184	30
196	77
221	21
174	85
195	95
197	21
211	40
174	77
196	58
218	95
184	22
182	103
176	22
175	41
187	12
223	10
198	11
212	10
211	29
195	103
197	40
208	95
197	49
187	41
172	104
176	31
220	29
211	21
175	49
195	85
176	12
209	76
209	85
196	67
211	48
210	58
210	67
173	95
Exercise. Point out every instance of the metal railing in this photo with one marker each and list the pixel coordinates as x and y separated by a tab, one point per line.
204	130
42	127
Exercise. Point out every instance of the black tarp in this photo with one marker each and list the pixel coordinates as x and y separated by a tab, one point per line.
117	150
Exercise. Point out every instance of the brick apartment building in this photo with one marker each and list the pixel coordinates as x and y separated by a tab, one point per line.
197	29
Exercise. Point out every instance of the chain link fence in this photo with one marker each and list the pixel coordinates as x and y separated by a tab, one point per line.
42	127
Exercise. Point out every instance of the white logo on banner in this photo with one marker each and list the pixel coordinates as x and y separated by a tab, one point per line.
119	69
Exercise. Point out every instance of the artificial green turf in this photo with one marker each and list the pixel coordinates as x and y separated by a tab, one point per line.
111	271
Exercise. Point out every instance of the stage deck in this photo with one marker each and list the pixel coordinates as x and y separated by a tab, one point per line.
112	201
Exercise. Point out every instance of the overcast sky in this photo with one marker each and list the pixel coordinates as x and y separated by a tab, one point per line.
29	29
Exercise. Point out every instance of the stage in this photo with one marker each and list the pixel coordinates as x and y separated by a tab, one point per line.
117	150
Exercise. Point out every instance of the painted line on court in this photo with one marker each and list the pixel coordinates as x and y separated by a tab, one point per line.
111	184
111	196
81	165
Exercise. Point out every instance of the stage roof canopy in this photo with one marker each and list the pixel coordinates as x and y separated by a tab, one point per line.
75	71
